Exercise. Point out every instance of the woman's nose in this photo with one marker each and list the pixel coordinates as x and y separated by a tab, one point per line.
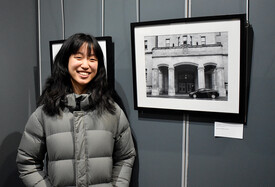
85	64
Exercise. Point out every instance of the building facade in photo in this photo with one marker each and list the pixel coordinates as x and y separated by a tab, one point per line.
179	64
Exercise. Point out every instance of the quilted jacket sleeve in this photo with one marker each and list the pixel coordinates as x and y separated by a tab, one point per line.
124	154
31	153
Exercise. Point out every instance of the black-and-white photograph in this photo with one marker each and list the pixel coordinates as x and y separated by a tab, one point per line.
187	65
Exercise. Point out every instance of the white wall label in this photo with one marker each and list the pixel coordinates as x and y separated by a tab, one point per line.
228	130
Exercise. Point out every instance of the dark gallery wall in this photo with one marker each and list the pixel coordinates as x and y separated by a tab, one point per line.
18	65
247	162
213	162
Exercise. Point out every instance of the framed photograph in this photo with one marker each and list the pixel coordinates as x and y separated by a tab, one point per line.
107	47
194	65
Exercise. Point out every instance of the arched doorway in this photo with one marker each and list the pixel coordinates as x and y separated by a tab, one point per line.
210	76
163	80
185	79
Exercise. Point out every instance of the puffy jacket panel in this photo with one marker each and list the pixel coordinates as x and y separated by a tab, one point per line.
64	174
101	143
60	146
100	170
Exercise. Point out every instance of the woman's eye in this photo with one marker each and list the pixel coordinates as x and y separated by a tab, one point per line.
78	57
93	59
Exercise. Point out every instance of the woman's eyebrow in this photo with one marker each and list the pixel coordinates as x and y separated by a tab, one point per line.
79	53
92	55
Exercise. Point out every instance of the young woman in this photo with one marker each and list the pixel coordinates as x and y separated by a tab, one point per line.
83	133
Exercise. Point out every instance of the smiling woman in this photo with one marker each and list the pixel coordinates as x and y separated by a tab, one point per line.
85	134
82	67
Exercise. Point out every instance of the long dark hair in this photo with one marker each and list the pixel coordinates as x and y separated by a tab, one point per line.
58	85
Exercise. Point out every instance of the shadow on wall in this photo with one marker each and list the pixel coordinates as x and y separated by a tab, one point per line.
36	82
8	169
249	53
135	171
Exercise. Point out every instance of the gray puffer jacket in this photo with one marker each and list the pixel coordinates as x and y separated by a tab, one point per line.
83	149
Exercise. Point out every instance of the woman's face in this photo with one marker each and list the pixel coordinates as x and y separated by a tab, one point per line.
82	68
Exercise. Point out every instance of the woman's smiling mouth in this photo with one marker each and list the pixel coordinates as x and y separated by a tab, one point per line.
83	74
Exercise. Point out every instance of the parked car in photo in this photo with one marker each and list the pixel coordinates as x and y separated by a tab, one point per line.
204	93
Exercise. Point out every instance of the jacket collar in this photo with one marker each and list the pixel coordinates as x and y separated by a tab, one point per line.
77	102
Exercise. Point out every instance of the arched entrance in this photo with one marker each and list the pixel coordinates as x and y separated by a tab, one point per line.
210	76
185	79
163	80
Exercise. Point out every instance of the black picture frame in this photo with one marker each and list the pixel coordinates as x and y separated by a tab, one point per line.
107	47
172	58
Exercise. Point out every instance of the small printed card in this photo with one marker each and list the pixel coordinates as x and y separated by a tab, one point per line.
228	130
